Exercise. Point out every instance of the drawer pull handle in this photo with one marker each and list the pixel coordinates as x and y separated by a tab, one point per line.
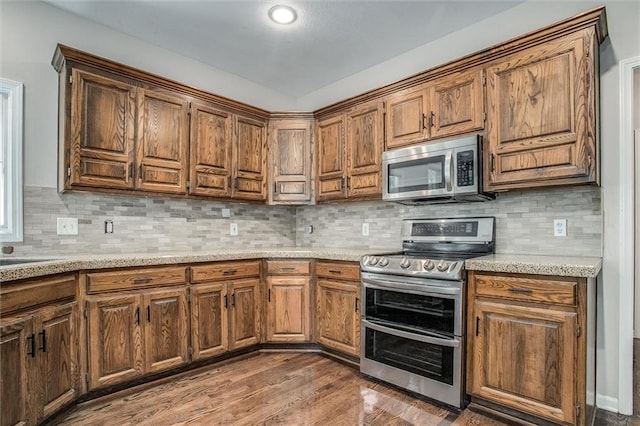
335	271
142	280
230	272
287	269
521	291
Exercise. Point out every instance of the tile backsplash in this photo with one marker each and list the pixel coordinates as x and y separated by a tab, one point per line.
524	221
147	224
158	224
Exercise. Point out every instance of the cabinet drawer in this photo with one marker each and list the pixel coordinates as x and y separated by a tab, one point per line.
20	295
99	282
336	270
224	271
554	290
288	267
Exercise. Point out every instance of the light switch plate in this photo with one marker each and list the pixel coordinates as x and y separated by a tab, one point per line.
365	229
560	227
233	229
67	226
226	213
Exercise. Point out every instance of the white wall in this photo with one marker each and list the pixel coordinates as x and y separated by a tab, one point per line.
29	32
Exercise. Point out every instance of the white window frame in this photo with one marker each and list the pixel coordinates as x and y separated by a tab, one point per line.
12	157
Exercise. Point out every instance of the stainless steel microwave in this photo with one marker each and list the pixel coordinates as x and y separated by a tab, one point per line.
435	172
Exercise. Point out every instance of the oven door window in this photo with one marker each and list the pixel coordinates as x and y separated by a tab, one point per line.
425	174
428	360
434	315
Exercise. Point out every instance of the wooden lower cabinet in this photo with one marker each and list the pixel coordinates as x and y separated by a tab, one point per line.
528	345
134	334
209	320
244	315
17	359
288	309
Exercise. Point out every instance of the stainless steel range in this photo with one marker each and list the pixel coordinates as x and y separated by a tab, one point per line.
412	323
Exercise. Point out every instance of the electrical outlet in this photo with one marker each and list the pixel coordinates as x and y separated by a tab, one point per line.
67	226
108	226
233	229
560	227
365	229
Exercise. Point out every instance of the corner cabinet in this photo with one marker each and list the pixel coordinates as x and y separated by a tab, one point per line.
250	163
350	154
532	345
541	115
290	161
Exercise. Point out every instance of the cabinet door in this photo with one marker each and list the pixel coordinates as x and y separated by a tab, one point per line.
165	329
245	314
211	138
162	142
332	160
456	104
406	118
338	316
249	155
115	340
209	326
288	309
290	154
364	144
57	347
524	358
102	131
540	124
17	363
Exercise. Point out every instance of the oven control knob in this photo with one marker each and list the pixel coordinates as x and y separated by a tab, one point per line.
442	266
428	265
373	260
405	263
383	262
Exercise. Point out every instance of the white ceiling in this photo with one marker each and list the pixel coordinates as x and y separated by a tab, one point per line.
330	40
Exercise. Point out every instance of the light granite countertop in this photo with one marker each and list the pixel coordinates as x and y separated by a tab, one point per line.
61	264
564	266
510	263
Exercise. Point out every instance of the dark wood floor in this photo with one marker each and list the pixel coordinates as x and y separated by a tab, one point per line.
289	389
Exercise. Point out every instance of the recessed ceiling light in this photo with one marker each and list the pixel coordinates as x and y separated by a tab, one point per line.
282	14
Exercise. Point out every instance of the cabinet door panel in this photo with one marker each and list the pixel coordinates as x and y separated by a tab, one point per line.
457	104
338	316
211	138
166	340
524	358
115	340
103	124
290	148
332	164
406	119
15	344
288	309
57	347
539	105
162	142
245	326
364	142
209	327
249	157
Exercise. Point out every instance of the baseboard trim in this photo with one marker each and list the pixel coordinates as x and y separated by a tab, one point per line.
604	402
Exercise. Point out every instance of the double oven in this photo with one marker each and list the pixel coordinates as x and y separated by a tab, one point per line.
413	333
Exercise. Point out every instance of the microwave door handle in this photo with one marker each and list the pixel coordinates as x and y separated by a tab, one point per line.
448	171
452	343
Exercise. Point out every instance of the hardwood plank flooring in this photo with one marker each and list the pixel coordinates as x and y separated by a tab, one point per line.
272	389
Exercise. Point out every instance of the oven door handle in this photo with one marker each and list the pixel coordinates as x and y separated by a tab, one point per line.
424	289
452	343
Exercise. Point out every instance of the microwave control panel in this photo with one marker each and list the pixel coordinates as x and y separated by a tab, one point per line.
465	163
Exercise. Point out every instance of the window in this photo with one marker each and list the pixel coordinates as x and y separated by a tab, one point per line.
11	161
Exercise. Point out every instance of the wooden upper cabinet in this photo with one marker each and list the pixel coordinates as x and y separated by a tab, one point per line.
101	149
290	161
332	161
457	104
211	141
249	159
541	125
406	118
364	150
162	141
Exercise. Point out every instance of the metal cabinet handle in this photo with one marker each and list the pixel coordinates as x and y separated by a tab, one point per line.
142	280
233	300
424	121
287	269
138	315
43	340
477	325
32	345
335	271
357	299
268	295
230	272
521	290
226	302
148	313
